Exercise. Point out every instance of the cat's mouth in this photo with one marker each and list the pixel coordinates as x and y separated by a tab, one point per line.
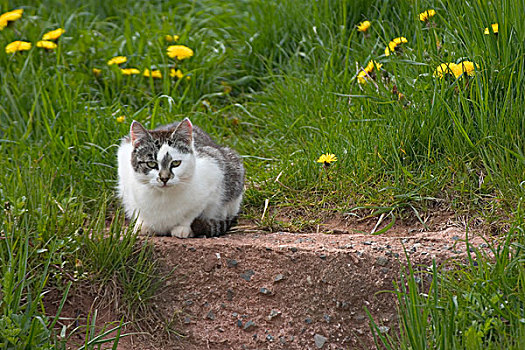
164	185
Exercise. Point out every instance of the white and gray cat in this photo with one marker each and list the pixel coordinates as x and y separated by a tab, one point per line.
175	180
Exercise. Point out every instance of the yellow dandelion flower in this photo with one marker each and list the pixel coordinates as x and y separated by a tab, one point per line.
426	15
171	38
12	16
457	70
121	118
3	23
495	29
54	34
16	46
130	71
176	73
468	67
96	71
117	60
327	158
363	26
362	76
46	44
392	46
370	66
400	40
447	68
179	52
441	70
154	73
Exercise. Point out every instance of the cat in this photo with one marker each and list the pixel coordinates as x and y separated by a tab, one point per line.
175	180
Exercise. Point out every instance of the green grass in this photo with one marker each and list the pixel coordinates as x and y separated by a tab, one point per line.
475	304
276	80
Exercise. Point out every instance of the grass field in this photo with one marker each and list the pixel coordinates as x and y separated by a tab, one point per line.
279	82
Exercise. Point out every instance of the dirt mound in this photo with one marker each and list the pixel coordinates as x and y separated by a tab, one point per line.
259	290
288	291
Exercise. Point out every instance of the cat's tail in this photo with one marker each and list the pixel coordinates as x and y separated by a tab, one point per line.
211	227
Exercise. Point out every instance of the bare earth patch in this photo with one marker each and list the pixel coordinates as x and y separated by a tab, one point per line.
285	290
281	290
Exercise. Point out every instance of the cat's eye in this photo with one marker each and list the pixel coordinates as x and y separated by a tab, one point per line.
152	164
175	163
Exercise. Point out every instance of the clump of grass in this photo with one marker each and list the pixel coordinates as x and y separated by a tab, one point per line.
478	304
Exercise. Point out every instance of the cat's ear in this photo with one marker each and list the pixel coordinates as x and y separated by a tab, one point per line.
184	129
137	131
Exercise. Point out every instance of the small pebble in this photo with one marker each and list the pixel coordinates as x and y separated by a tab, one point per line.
265	291
319	341
210	316
273	314
278	278
248	325
383	329
308	320
231	262
247	275
269	338
323	256
293	249
381	261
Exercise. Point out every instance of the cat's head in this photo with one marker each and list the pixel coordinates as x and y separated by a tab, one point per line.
163	158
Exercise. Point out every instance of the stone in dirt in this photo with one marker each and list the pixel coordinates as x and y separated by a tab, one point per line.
231	262
278	278
248	325
273	314
319	341
265	291
247	275
381	261
384	329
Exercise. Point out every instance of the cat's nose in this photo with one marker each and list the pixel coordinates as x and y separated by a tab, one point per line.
163	179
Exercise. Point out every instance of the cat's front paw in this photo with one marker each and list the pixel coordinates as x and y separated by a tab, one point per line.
142	229
181	232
